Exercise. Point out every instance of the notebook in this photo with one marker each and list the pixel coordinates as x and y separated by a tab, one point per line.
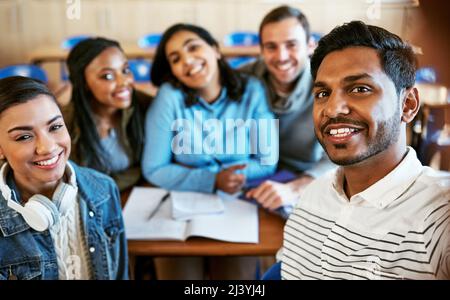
227	226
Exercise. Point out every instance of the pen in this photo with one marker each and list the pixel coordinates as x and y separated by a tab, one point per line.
218	162
164	198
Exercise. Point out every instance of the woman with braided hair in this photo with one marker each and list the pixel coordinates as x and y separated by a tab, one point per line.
105	115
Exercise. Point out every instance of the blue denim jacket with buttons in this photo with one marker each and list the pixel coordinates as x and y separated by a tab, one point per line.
29	254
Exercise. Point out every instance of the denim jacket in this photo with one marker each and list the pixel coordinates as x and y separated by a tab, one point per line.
29	254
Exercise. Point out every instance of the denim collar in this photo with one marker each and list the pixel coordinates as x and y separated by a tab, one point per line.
91	188
11	222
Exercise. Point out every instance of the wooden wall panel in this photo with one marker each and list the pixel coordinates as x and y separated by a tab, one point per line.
25	24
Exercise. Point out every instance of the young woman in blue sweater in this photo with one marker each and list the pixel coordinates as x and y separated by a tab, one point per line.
210	127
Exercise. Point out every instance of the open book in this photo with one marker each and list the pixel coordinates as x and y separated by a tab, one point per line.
238	222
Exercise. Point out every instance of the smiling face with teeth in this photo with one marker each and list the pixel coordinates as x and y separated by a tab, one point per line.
285	51
357	111
109	80
194	63
35	142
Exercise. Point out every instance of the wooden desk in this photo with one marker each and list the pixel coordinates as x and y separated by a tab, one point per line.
270	240
56	54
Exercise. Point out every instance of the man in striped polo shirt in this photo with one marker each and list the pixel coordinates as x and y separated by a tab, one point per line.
381	214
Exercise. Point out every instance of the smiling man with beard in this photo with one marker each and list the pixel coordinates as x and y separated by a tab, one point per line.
381	215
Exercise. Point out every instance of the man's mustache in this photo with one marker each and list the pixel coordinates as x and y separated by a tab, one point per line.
340	120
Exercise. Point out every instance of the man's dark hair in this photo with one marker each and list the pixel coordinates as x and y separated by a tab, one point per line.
396	57
17	90
285	12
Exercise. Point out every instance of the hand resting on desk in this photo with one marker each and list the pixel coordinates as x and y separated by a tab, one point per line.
228	181
278	192
272	195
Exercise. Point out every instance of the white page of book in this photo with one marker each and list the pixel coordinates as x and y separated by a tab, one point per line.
140	205
238	223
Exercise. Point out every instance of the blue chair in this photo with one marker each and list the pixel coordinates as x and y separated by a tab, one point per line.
273	273
241	38
316	36
426	75
150	40
239	61
31	71
141	70
71	41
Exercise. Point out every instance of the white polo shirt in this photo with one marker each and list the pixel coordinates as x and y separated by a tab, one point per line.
398	228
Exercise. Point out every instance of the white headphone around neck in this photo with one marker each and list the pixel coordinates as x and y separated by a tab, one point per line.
40	212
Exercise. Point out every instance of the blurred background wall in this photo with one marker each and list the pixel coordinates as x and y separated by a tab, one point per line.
28	24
